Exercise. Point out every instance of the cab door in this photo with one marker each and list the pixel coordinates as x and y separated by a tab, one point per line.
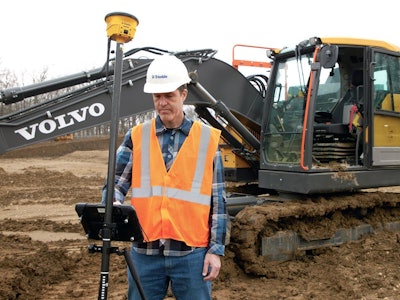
386	110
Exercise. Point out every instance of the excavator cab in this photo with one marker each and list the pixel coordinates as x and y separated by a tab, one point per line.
332	117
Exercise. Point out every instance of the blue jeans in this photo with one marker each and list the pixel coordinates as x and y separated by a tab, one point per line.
156	272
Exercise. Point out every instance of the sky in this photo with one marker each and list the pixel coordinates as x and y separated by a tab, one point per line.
69	37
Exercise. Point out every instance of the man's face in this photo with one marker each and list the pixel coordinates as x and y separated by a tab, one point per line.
169	107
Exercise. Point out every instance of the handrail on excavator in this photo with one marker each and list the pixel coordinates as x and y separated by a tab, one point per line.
236	63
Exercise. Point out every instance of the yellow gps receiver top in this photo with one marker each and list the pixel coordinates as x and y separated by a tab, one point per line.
121	27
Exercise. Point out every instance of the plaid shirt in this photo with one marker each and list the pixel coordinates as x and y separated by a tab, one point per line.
219	219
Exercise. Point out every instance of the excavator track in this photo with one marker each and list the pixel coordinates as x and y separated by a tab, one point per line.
279	230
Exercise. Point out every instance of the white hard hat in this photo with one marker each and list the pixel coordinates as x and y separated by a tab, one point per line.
165	74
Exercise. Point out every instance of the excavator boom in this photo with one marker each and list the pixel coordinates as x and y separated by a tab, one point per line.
90	105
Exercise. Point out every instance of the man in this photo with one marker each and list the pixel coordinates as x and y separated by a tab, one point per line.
173	167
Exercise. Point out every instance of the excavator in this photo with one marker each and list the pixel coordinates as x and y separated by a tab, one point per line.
308	144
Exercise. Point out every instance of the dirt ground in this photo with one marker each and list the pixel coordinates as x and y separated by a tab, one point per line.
44	253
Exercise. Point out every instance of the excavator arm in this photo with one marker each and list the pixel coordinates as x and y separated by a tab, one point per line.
215	85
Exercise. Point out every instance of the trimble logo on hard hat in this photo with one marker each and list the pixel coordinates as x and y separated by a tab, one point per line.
159	76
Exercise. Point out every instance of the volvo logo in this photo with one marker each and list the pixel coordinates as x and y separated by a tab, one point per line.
61	121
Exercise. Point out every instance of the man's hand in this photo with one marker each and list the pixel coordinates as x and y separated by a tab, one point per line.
211	267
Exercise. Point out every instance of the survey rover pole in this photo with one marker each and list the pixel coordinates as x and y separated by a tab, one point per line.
121	28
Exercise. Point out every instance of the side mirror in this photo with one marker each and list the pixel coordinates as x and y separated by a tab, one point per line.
328	56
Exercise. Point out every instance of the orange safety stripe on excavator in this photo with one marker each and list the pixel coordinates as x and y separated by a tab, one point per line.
303	136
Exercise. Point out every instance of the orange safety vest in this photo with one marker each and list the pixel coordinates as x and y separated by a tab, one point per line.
174	204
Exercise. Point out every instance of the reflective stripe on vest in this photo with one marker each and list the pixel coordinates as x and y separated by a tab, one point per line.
163	199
